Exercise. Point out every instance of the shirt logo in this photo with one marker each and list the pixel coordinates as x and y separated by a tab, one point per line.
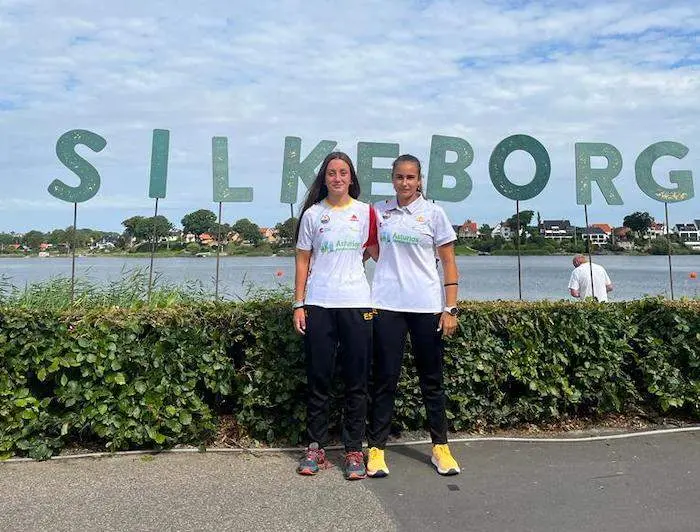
339	245
386	237
420	219
354	218
325	219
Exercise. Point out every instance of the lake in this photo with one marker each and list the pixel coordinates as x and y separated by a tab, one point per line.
481	278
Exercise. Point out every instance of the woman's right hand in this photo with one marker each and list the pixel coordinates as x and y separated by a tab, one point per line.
299	320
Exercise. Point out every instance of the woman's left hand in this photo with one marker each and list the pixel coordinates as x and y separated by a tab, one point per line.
448	324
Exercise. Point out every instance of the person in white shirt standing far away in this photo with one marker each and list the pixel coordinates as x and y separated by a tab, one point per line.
580	282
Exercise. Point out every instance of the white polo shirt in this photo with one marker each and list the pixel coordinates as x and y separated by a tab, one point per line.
336	236
406	278
581	281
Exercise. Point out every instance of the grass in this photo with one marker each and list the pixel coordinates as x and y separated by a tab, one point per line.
131	290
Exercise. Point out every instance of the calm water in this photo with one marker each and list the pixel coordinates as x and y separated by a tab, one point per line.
482	278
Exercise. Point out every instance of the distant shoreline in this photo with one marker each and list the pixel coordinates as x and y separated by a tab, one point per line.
256	254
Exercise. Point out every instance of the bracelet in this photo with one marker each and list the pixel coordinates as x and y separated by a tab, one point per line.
451	284
297	304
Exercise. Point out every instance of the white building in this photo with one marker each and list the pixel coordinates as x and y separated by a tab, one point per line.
557	229
689	233
657	229
502	230
596	235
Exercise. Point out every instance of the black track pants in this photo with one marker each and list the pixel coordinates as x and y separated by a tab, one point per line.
345	333
390	329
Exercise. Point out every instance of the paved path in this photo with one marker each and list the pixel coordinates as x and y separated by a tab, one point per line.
639	484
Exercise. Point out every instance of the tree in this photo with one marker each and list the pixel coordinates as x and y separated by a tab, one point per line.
286	230
221	229
638	222
485	231
87	236
7	238
146	227
659	246
198	222
130	225
57	237
32	239
525	219
110	236
81	236
248	231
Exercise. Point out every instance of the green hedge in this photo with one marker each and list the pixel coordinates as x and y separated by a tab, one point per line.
114	378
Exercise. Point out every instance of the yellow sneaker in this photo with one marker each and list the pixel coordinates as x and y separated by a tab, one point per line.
443	461
376	466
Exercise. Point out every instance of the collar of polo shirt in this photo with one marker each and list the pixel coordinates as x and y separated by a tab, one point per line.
411	208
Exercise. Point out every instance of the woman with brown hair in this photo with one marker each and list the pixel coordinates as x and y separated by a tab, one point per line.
332	307
410	299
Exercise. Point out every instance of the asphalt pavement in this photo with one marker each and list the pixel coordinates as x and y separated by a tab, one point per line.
648	483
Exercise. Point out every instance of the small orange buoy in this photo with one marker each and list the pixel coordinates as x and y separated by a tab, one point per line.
693	275
279	273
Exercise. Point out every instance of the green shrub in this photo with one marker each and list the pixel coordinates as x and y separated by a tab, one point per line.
120	378
156	376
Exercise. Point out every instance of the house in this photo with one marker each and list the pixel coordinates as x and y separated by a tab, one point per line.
269	234
174	235
689	233
606	228
595	235
207	240
102	246
622	234
44	246
468	229
502	230
557	229
190	237
656	230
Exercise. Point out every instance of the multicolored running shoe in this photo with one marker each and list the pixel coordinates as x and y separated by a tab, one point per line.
313	460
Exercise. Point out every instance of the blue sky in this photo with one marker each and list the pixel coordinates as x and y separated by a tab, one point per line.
622	72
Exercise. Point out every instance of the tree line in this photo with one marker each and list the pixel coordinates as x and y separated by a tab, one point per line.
138	229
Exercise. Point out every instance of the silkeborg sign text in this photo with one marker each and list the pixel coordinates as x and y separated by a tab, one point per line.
295	169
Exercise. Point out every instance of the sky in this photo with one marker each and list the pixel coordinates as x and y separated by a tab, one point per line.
621	72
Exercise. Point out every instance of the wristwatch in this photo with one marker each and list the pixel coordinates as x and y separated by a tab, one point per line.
297	304
453	311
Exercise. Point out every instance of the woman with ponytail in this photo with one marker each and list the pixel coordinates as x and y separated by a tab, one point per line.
409	298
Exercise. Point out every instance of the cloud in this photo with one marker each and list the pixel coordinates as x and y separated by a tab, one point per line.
622	72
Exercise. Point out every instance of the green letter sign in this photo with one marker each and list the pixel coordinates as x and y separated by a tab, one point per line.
438	168
222	192
159	163
293	168
603	176
497	162
89	177
368	174
682	178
